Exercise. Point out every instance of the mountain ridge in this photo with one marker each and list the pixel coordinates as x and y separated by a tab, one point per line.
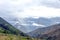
30	23
45	31
9	29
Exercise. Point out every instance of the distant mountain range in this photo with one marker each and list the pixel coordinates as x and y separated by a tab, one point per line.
30	23
41	28
52	32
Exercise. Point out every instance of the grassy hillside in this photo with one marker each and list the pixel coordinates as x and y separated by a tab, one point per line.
5	27
15	37
12	37
8	32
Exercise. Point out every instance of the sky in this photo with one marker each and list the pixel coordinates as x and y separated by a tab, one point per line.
30	8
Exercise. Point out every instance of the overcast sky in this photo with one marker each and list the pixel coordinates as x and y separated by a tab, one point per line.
28	8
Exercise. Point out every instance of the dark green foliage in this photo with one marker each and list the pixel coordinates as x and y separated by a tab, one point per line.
7	28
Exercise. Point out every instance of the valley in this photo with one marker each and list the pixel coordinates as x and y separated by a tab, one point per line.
9	32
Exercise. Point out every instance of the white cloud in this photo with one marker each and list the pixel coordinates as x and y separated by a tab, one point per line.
35	24
23	8
20	2
12	7
51	3
41	11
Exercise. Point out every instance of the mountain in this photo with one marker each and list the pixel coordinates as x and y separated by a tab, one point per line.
9	32
52	32
21	24
5	27
30	23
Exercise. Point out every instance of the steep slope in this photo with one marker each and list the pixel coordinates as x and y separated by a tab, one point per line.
22	24
5	27
52	34
8	32
43	31
30	23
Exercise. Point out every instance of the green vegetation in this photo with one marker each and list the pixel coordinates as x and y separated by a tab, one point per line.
8	27
8	32
11	37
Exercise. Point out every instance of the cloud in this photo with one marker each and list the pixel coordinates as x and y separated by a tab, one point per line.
23	8
51	3
35	24
41	11
12	7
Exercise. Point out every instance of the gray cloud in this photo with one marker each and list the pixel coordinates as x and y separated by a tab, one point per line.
51	3
7	9
10	9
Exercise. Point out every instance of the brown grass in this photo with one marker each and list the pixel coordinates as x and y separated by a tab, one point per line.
14	37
